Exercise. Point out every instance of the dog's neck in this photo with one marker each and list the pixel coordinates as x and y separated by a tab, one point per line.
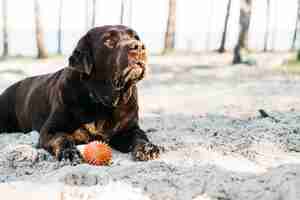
120	95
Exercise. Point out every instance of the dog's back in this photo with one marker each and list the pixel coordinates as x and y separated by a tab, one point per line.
24	106
8	120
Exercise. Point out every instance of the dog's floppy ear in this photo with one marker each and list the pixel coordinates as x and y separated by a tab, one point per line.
81	59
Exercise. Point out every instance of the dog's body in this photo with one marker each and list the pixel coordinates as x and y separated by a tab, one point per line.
97	89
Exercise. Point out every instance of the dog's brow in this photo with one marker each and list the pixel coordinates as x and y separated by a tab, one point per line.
113	33
133	34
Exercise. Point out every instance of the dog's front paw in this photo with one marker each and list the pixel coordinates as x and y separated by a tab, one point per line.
146	151
71	155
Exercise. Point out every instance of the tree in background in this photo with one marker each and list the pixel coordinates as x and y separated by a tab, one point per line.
245	16
122	15
223	42
267	26
59	33
296	31
94	13
171	28
87	15
42	52
296	27
274	33
130	12
5	29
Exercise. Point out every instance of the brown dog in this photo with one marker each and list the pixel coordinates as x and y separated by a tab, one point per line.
94	98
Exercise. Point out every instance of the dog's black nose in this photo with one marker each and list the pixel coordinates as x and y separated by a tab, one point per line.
137	46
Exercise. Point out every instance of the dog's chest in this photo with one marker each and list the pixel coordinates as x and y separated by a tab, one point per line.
106	128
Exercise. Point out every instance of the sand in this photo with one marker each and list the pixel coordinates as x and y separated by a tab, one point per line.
205	113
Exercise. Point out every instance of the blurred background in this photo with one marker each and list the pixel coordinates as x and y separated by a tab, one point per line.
221	94
194	26
215	47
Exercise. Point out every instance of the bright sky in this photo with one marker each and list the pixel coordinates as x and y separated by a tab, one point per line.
196	21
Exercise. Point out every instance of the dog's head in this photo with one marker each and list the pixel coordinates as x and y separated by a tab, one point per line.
110	59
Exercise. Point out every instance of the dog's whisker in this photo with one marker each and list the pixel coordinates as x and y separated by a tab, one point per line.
126	70
127	78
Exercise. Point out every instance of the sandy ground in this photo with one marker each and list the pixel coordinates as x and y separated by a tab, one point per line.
204	112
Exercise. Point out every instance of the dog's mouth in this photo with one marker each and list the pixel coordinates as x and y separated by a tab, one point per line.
136	67
135	71
130	73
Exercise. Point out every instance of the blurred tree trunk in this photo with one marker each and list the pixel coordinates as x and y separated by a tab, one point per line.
223	42
5	28
245	17
298	55
210	22
274	38
267	27
122	15
86	17
42	52
59	33
171	28
296	27
130	12
94	13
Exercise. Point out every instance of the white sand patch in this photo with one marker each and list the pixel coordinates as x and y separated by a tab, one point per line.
59	191
113	191
202	197
189	156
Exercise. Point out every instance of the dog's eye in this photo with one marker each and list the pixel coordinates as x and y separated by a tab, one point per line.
109	43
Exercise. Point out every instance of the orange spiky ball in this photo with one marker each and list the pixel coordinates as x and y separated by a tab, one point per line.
97	153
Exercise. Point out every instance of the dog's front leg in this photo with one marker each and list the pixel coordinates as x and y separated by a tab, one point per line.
59	143
143	149
135	140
